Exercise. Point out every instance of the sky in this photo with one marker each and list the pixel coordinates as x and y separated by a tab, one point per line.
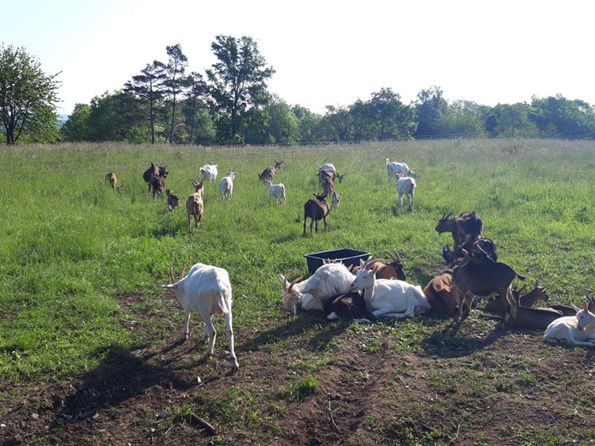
325	52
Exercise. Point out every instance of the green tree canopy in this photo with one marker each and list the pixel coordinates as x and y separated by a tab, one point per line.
237	82
27	98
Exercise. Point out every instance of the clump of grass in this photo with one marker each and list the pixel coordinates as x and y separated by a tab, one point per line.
300	390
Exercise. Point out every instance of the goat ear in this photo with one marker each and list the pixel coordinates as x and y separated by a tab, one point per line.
361	263
585	306
375	270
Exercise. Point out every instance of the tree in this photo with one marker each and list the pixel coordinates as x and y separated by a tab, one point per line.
461	118
27	96
147	88
174	80
430	106
309	124
558	116
77	126
511	120
237	82
195	99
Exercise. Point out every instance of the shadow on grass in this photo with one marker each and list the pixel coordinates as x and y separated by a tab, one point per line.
450	342
310	328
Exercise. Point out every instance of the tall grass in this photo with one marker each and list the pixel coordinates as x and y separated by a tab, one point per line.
71	247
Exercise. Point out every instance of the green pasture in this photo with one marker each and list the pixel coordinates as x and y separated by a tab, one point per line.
72	249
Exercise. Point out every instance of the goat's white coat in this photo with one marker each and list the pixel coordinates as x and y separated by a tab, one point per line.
209	172
335	200
276	191
226	185
327	166
207	289
573	330
400	168
390	298
406	186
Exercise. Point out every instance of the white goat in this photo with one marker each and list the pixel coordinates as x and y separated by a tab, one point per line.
226	185
276	191
206	289
327	166
399	167
329	280
335	200
405	186
209	172
390	298
573	330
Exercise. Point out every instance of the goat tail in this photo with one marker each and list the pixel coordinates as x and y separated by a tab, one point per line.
222	301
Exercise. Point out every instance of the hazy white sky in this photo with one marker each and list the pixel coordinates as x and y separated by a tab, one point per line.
324	52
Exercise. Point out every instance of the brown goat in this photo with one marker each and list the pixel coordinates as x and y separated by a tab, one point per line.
327	185
194	205
316	209
113	180
499	304
483	244
523	317
482	277
443	294
392	269
269	173
173	202
467	227
572	310
153	172
332	174
158	185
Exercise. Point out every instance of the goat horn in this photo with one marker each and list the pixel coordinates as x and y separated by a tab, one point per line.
293	283
171	275
285	282
183	271
523	288
536	283
397	255
391	255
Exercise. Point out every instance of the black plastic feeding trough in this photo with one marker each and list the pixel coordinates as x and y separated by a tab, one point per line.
346	256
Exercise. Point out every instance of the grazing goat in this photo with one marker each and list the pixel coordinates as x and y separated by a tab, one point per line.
400	168
482	277
443	294
113	180
484	244
335	200
499	304
207	289
405	186
226	185
467	227
525	317
195	205
153	172
390	298
209	172
392	269
173	202
346	306
573	330
332	174
269	173
276	191
327	166
316	209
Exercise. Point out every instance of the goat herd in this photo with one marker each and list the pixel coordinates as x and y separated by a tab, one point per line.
369	291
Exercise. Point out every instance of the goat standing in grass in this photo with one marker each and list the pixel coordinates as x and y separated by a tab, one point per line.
209	172
405	186
276	191
173	202
195	205
207	289
226	185
269	173
153	172
401	168
316	209
113	180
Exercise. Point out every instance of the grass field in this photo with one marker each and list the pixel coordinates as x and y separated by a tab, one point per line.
88	341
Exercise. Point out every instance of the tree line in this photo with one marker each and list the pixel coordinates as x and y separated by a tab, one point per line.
230	104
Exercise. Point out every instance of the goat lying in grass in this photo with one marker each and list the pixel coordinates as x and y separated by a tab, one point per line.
389	298
499	304
524	317
443	293
207	289
346	306
392	269
578	330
